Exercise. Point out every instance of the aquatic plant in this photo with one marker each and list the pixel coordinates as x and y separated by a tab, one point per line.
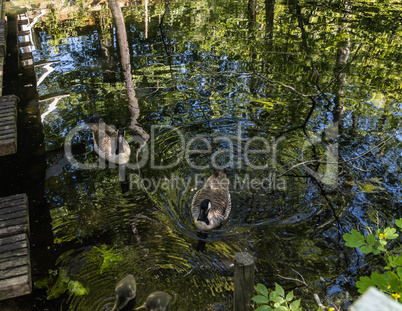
390	280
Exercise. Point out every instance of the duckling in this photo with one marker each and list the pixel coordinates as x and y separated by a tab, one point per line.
125	290
108	143
211	204
156	301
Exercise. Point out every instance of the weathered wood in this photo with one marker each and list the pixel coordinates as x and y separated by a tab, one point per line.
14	216
3	31
25	44
16	286
15	267
23	21
8	124
24	33
243	281
26	56
374	300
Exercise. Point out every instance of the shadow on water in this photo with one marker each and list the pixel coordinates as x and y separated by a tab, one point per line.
225	91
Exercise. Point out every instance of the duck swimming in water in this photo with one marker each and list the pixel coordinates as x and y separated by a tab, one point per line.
211	204
125	290
109	144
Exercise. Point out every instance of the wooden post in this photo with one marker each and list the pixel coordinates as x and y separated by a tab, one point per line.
243	281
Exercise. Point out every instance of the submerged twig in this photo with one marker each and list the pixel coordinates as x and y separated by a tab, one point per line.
294	279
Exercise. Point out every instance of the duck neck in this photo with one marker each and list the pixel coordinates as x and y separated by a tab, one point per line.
203	216
119	145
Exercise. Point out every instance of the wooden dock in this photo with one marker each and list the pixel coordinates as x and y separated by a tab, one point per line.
15	267
8	125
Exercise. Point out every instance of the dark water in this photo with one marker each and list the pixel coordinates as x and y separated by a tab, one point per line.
317	82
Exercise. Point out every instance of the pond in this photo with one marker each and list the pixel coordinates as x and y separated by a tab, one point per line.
299	100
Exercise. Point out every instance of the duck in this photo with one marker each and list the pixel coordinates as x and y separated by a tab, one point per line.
125	290
109	144
211	204
156	301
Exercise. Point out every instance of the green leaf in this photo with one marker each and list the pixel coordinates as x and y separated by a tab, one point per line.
60	286
398	222
354	239
398	261
393	281
295	304
378	280
376	251
399	272
366	249
278	300
263	308
77	288
262	289
273	294
260	299
279	290
281	308
390	233
370	239
364	283
289	296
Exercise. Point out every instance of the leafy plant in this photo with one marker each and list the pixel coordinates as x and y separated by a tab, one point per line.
275	300
109	257
60	285
390	281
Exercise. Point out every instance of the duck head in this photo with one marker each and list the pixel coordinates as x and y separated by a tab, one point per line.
204	209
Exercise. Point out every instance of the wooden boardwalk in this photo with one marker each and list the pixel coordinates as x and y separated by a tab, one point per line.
8	125
15	267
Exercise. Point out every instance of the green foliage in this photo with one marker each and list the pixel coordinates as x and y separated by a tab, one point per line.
390	281
275	300
61	283
109	257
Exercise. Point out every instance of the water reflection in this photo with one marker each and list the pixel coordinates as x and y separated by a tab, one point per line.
219	82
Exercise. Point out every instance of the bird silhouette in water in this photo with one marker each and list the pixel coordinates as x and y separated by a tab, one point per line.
125	290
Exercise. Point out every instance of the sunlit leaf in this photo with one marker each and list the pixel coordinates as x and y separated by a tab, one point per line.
260	299
279	290
354	239
262	289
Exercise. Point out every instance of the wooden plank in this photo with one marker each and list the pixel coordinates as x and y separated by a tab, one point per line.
24	33
15	229
12	209
15	271
12	240
8	146
20	251
21	196
14	216
14	287
26	56
23	21
8	125
15	266
12	203
9	223
7	105
12	263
